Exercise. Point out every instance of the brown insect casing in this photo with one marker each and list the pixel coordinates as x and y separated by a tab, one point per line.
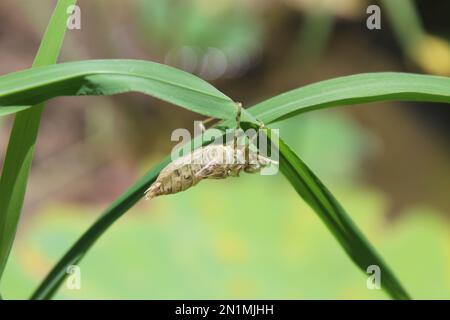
210	162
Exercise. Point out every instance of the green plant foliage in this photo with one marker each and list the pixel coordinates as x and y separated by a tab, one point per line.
355	89
52	282
303	180
311	189
22	89
19	155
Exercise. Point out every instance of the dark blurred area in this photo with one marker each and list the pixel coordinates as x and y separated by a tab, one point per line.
250	50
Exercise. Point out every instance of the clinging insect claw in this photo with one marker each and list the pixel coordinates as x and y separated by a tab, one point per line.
238	115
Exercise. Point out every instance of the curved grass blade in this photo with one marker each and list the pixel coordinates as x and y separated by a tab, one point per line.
363	88
360	88
306	184
311	189
54	279
21	144
120	206
21	89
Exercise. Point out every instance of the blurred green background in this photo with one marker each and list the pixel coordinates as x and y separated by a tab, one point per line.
252	237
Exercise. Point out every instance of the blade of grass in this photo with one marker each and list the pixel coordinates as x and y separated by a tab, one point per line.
312	190
305	182
120	206
54	279
106	77
345	90
20	150
22	89
363	88
360	88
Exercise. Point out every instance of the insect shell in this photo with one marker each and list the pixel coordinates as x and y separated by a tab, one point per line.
210	162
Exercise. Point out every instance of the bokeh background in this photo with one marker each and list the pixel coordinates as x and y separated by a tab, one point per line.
253	237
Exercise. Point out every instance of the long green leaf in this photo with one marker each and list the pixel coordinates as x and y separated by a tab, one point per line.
363	88
106	77
54	279
360	88
311	189
21	89
20	150
308	186
119	207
